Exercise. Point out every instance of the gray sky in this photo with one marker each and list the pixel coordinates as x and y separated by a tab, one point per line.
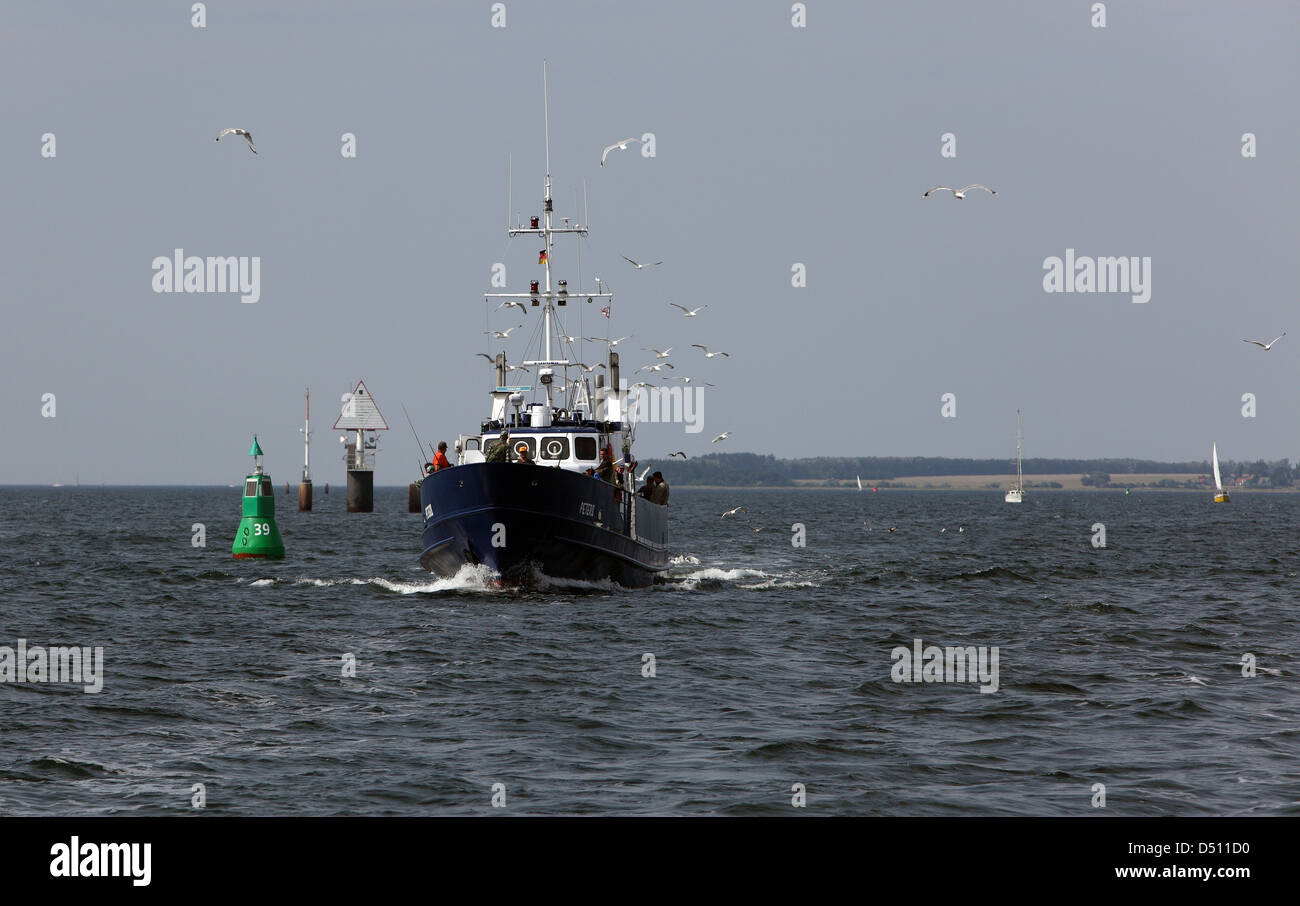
774	145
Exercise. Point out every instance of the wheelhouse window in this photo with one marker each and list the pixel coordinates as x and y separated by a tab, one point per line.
554	448
471	443
584	447
517	443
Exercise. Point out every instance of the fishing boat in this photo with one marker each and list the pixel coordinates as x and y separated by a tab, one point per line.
531	509
1017	492
1220	495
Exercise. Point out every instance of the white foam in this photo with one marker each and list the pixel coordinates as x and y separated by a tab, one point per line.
468	578
784	583
261	583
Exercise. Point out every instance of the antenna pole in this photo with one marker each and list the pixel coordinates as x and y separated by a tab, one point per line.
306	441
546	116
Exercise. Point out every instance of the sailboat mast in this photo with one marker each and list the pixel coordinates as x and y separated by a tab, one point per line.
1020	480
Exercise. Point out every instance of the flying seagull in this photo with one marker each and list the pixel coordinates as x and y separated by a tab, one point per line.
645	473
688	312
959	193
621	146
659	355
687	380
611	342
587	368
503	334
723	436
568	339
511	303
486	356
248	136
678	453
734	511
707	354
640	266
1266	346
660	367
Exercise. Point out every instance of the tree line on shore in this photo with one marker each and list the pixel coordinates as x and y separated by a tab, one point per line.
758	470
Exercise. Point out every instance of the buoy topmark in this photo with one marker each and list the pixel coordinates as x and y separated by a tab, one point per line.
258	535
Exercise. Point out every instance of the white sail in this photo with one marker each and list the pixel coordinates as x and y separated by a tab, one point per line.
1218	482
859	482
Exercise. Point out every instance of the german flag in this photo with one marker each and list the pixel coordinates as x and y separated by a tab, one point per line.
541	257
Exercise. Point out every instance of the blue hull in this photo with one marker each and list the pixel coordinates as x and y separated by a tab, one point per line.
523	519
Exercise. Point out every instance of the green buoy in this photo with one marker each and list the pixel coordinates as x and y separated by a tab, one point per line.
258	535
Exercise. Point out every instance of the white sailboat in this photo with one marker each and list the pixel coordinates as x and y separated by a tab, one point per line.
859	482
1220	495
1017	492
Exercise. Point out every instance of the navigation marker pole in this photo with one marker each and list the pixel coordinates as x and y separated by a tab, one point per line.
304	487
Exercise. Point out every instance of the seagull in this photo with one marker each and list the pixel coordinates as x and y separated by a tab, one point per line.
688	312
621	146
644	474
643	384
612	343
568	339
959	193
248	136
707	354
587	368
1266	346
687	380
522	368
486	356
678	453
503	334
640	266
658	354
660	367
511	303
723	436
734	511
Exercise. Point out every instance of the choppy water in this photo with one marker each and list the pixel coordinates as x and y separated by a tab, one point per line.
773	663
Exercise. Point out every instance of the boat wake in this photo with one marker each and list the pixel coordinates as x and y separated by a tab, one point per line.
470	578
712	577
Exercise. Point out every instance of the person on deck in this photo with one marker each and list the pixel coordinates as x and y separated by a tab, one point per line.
440	458
606	469
496	450
660	493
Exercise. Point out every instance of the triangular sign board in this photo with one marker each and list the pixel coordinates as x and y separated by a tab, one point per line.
360	412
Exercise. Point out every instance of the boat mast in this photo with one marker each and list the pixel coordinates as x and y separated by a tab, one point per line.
544	227
1020	480
546	211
